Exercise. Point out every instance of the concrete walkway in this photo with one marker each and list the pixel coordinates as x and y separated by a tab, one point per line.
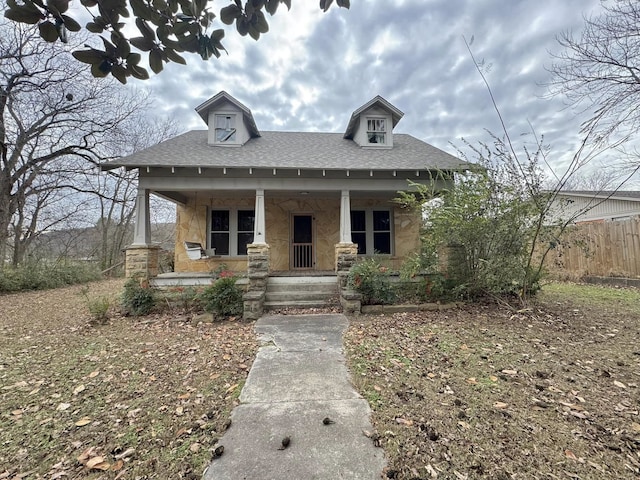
298	378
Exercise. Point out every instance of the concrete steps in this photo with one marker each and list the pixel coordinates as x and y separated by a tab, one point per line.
301	292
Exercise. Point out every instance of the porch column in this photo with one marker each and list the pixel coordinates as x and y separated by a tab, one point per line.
141	257
142	233
259	237
345	217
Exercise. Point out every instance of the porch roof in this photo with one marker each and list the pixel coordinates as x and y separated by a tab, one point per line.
292	150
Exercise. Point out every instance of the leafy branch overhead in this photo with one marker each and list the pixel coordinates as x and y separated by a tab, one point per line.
166	29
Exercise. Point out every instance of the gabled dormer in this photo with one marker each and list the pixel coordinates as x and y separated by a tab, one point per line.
230	122
371	125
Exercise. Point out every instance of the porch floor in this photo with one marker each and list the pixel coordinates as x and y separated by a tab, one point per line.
184	279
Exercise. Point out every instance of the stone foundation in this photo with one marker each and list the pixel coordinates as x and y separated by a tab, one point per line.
141	261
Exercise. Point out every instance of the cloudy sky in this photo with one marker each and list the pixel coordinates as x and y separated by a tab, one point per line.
313	69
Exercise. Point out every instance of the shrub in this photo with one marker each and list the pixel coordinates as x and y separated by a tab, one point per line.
185	298
429	288
369	278
223	298
137	298
41	275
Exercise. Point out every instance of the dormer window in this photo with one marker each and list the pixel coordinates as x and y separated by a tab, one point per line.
225	129
376	130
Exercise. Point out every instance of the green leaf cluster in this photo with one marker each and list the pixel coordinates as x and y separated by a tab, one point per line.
167	29
137	298
371	279
482	228
223	298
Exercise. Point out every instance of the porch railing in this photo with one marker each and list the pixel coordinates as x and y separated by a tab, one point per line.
302	255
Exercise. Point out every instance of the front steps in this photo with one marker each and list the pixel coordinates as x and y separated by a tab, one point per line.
301	292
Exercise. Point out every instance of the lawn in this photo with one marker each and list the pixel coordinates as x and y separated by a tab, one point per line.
135	398
549	392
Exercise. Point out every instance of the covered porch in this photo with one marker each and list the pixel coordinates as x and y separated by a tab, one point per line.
302	225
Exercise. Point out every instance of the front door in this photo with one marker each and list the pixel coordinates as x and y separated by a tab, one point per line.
302	254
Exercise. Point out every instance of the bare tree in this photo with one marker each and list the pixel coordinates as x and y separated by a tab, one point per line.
112	195
599	71
52	115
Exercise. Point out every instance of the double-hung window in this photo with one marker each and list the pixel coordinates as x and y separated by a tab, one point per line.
371	231
376	131
225	129
231	231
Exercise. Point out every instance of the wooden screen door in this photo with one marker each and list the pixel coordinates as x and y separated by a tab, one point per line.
302	242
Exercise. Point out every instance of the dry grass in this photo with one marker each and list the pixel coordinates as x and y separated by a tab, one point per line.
478	392
134	398
484	392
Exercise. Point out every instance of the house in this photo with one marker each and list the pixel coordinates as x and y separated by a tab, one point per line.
592	206
296	201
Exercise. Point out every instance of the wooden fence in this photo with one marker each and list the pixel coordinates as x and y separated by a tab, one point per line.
603	248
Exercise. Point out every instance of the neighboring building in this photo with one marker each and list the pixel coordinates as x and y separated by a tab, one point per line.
300	198
590	206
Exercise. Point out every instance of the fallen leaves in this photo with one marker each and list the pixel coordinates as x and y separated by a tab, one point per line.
89	391
500	388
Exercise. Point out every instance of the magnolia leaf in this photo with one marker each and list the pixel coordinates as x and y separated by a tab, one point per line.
142	43
98	463
63	406
93	57
58	6
174	57
138	72
23	15
155	61
83	421
78	389
229	13
261	22
48	31
93	27
145	30
71	24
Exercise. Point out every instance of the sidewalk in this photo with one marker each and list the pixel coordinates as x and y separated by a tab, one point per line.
298	378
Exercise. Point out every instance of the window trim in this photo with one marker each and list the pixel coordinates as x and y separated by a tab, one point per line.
233	228
369	232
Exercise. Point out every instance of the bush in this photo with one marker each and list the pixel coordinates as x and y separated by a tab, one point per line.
185	298
137	298
369	278
223	298
42	275
429	288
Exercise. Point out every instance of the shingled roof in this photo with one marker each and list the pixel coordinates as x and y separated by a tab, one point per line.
292	150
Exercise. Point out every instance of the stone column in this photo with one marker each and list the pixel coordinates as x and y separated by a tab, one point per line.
141	257
141	261
346	257
259	228
258	274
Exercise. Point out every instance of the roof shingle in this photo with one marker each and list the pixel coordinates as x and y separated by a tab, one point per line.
306	150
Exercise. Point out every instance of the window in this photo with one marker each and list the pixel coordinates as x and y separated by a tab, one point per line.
371	230
376	131
225	128
231	231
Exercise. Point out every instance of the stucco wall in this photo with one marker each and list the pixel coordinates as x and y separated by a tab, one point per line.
192	226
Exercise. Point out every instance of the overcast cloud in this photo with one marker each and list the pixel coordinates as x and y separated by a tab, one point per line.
313	69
